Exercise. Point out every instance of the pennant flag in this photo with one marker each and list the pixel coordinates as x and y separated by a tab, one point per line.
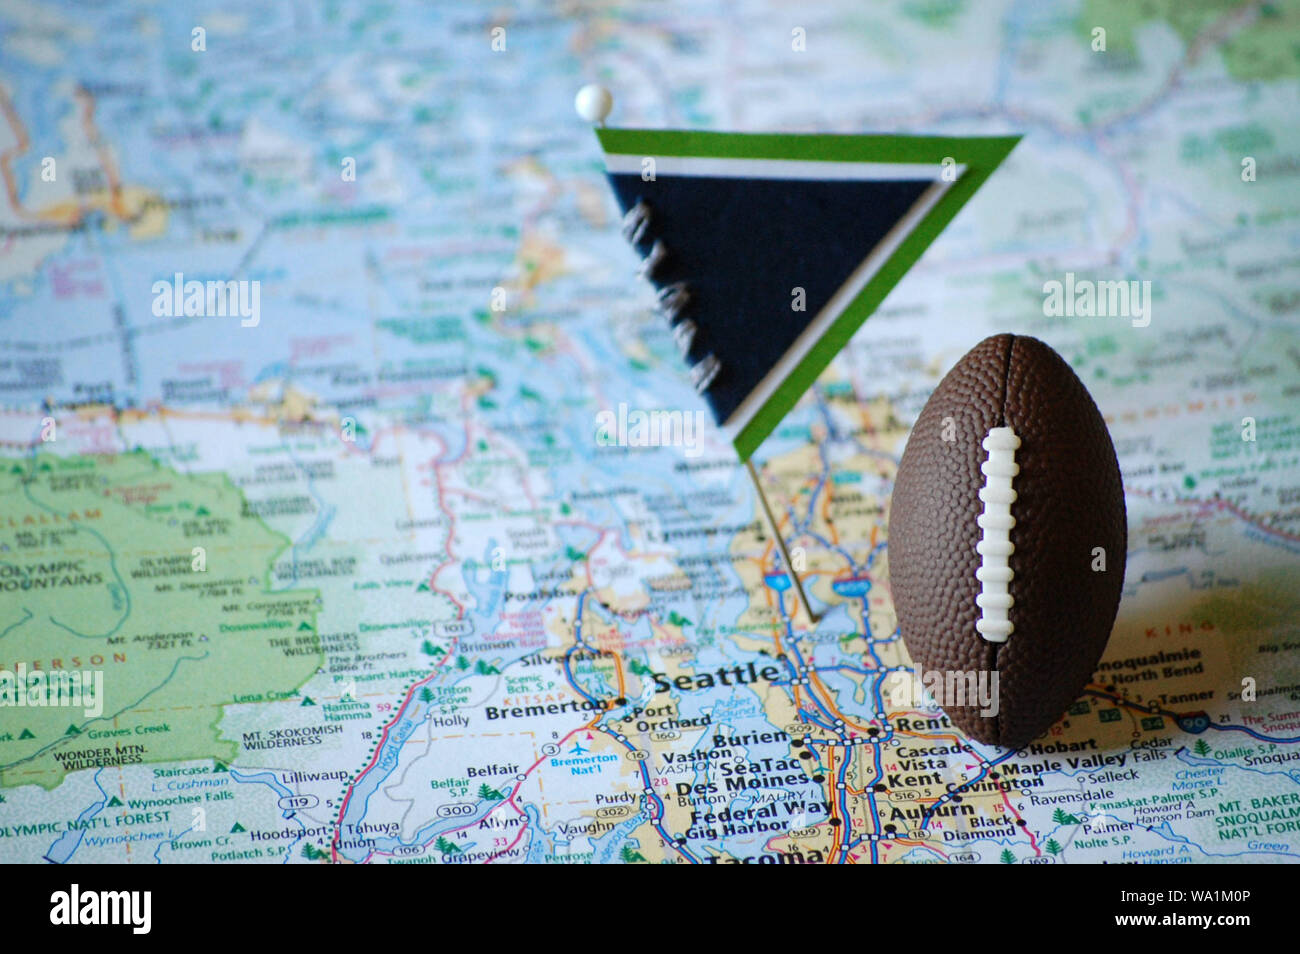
769	251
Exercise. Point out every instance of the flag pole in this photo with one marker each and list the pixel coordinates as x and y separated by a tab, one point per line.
780	542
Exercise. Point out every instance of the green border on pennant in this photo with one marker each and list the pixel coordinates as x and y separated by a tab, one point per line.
981	155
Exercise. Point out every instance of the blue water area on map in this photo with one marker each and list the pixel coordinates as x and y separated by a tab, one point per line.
67	843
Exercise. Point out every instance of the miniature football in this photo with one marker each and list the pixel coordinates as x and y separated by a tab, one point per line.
1007	539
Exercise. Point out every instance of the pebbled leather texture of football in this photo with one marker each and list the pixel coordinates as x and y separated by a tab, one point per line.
1007	537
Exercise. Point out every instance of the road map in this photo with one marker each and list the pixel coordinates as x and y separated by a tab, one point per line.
361	584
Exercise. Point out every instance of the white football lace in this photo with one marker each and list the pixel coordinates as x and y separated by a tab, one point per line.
995	543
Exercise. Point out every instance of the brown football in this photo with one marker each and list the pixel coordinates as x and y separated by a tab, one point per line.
1007	538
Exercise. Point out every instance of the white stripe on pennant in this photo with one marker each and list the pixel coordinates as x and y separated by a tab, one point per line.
828	170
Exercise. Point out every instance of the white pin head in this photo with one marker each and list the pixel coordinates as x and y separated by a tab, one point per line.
593	103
